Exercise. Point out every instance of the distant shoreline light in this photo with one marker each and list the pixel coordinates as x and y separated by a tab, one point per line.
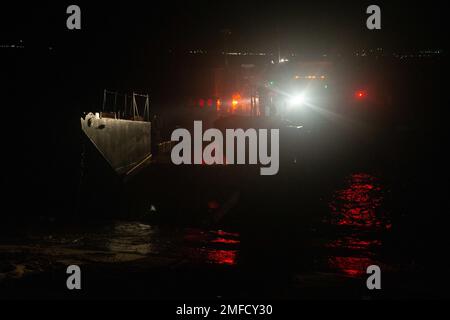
12	46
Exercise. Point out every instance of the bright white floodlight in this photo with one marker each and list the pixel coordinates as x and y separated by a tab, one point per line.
296	100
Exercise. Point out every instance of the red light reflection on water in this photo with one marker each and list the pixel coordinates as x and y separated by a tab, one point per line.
215	247
353	243
226	234
351	266
222	256
357	206
225	241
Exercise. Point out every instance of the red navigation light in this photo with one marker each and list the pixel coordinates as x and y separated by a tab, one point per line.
235	100
218	104
360	94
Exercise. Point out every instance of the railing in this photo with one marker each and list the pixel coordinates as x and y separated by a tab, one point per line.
128	107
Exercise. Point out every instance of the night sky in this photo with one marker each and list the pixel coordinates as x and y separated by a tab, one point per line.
297	25
141	45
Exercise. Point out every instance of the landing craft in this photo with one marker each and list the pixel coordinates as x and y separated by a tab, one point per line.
300	91
121	136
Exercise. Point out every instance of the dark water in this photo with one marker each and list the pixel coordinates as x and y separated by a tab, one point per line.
348	237
196	246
